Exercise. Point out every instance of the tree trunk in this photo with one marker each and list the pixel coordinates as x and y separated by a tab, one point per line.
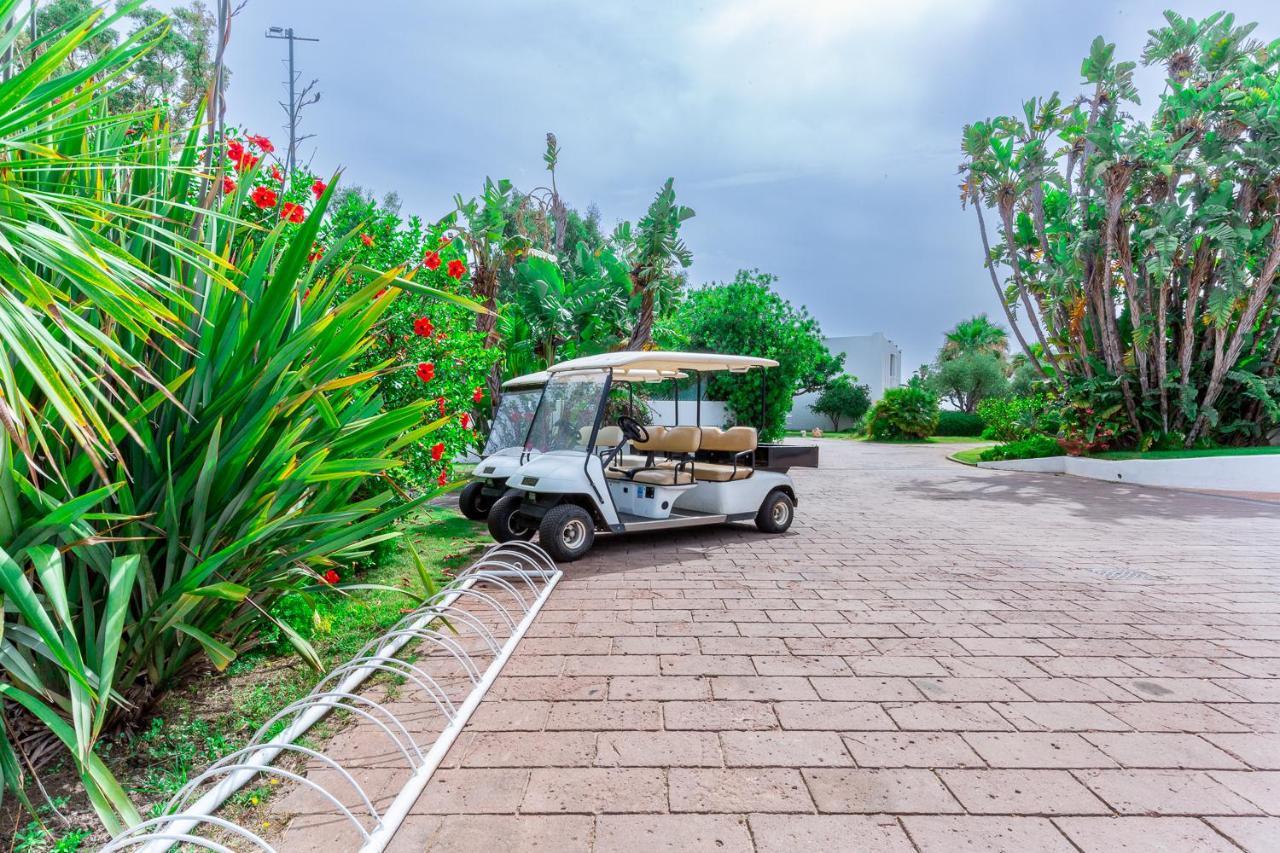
643	329
1006	216
995	281
1224	361
1200	271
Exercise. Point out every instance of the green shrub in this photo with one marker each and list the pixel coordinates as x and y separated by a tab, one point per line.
1034	447
1010	418
959	423
904	414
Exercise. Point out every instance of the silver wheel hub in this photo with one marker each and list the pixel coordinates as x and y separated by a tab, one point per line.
781	512
573	533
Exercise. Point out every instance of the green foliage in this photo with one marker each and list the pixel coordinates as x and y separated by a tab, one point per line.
968	378
958	423
841	399
191	424
975	335
1140	256
1033	447
747	317
909	413
1010	418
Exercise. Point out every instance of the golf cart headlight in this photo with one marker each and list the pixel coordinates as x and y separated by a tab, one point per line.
529	481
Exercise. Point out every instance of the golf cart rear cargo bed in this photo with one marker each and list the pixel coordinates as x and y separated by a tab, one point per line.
780	457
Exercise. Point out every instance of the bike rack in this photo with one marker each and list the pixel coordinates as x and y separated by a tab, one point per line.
520	570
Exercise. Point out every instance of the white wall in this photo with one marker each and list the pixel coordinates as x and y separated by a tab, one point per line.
1227	473
873	360
714	413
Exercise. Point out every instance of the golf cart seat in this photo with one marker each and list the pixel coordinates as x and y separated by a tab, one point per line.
734	443
609	436
663	477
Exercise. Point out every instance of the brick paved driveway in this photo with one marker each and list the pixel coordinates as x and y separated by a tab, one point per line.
935	658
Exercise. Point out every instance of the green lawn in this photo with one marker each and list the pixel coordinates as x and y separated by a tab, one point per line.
1187	454
849	435
968	456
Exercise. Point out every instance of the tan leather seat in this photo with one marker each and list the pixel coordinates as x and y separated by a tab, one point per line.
656	434
714	472
609	436
663	477
733	440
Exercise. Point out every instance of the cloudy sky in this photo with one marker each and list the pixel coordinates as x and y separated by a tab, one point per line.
816	140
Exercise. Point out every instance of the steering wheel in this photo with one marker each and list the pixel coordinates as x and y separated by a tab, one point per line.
632	429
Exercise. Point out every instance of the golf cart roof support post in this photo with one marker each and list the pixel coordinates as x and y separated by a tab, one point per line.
631	399
697	398
675	384
764	385
595	432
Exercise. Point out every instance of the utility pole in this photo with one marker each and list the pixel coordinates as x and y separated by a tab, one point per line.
296	100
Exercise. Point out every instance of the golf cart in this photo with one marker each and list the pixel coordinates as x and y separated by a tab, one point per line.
580	479
504	450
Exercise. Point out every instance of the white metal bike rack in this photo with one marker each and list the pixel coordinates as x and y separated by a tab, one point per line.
520	570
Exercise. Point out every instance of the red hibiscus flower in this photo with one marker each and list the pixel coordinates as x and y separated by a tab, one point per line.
331	577
292	212
263	197
443	479
477	395
262	143
366	239
437	451
457	269
445	240
228	186
246	162
317	252
426	371
235	150
466	420
431	261
440	405
422	327
380	293
318	188
276	175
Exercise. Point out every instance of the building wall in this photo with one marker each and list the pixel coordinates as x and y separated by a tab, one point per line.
714	413
872	360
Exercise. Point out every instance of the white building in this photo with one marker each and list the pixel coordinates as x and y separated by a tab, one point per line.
872	360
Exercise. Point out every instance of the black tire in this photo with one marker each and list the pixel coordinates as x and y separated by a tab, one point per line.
776	513
473	504
567	532
505	523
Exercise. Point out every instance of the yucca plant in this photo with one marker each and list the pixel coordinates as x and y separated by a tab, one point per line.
184	437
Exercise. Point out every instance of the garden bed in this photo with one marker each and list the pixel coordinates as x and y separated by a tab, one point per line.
214	713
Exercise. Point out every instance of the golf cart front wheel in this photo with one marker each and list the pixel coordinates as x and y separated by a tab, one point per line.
472	502
567	532
776	513
505	523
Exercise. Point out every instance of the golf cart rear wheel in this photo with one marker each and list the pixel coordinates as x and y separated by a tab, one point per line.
776	513
473	504
567	532
505	522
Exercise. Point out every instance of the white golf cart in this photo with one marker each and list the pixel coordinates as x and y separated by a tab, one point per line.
504	450
582	482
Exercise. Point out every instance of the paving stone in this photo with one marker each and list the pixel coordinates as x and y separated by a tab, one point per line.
911	749
1106	834
784	749
1163	749
859	791
685	833
658	749
832	716
778	833
1028	792
1037	749
955	834
1254	834
719	715
1165	792
1058	716
738	790
595	790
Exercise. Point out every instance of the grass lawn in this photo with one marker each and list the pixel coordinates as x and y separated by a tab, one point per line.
850	435
1187	454
968	456
214	713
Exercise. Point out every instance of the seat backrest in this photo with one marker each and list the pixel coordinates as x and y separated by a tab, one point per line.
733	440
681	439
609	436
656	434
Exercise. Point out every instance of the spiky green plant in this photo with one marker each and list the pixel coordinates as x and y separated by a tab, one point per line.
184	437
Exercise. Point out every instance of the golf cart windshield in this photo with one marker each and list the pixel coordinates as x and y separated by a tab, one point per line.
567	412
511	421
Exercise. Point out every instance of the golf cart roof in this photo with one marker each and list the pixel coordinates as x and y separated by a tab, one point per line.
537	380
529	380
665	364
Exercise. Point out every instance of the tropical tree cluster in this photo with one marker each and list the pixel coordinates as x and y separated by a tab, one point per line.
971	365
843	400
1135	259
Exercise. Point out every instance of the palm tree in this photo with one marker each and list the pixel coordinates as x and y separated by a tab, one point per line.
975	335
656	254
